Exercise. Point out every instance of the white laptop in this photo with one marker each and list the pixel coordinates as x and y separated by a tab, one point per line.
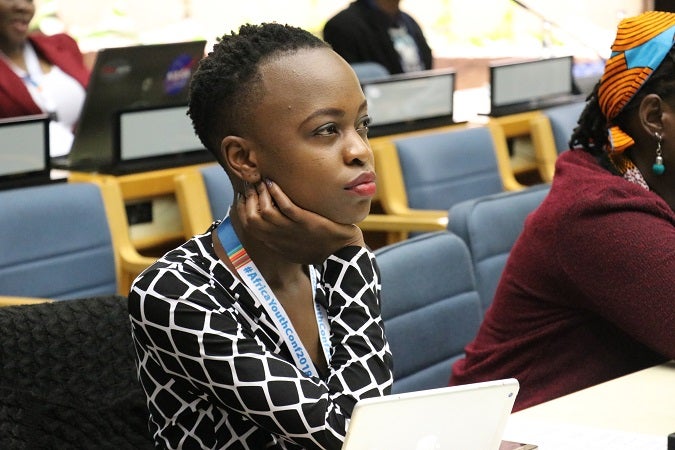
466	417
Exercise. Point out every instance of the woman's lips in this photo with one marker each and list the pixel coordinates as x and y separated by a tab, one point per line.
364	185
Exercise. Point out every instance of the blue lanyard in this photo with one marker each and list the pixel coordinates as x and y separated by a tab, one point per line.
252	278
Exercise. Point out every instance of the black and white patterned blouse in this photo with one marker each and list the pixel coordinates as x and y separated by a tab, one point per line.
218	374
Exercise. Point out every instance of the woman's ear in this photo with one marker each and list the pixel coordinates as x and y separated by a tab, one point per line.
240	158
651	114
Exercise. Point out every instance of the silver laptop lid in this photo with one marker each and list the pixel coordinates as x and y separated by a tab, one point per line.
467	417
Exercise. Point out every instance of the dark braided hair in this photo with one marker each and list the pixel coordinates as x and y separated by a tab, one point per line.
227	81
591	132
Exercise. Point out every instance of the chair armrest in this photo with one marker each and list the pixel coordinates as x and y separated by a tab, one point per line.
12	301
129	261
509	181
131	265
133	262
408	223
193	202
544	146
398	226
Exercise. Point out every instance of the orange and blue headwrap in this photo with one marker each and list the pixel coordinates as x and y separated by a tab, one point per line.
642	43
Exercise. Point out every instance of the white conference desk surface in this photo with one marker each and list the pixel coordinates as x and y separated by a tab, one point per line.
641	404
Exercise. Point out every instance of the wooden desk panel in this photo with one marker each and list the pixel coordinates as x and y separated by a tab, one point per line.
518	128
516	125
141	185
156	187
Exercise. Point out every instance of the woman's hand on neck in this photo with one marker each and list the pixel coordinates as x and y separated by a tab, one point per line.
267	215
276	267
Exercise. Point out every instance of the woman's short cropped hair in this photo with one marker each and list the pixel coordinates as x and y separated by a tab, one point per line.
227	81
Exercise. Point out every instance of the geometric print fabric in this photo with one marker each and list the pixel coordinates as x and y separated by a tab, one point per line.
217	372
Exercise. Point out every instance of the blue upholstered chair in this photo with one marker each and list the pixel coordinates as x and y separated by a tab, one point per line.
369	70
203	195
422	174
490	226
65	240
551	132
430	307
218	189
563	120
441	169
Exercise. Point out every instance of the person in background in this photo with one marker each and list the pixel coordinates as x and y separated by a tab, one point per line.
40	73
264	332
378	31
588	292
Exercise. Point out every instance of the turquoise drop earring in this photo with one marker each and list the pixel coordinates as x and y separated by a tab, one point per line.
658	168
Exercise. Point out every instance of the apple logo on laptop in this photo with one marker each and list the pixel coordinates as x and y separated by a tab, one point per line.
429	442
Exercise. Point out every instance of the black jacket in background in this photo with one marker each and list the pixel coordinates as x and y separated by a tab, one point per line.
360	33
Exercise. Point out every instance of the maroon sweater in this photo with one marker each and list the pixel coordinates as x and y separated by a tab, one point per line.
588	292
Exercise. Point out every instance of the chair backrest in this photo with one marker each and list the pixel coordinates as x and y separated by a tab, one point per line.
218	190
490	226
430	307
563	121
55	242
440	169
68	377
369	70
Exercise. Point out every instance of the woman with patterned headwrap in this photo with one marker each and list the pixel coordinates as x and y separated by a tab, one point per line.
588	292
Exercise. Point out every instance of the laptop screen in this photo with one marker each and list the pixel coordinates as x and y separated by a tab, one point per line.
406	102
24	153
530	81
127	78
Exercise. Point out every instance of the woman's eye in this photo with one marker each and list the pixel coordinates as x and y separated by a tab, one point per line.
328	129
363	125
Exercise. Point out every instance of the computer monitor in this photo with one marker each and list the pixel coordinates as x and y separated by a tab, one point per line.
412	101
528	85
24	152
123	79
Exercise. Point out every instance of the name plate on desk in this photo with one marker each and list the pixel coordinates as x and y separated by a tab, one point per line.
517	87
411	101
24	153
156	138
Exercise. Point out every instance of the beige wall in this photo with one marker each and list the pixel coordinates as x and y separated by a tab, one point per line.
453	27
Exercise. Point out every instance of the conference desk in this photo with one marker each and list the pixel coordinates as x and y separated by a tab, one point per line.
155	222
636	411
